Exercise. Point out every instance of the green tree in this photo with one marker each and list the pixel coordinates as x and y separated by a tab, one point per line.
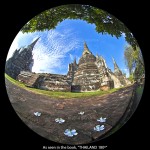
134	61
104	22
131	78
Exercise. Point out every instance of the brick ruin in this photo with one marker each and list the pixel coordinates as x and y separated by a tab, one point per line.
21	60
90	74
45	81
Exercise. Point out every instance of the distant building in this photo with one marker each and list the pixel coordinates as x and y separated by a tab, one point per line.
90	74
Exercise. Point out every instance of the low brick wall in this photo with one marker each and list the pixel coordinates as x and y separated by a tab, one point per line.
52	82
28	78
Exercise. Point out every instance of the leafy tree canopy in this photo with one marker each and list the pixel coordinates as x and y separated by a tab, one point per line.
131	78
104	22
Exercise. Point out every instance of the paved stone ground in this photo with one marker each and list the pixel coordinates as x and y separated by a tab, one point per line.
111	106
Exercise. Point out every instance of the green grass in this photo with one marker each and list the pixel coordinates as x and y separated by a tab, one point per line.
61	95
20	84
139	92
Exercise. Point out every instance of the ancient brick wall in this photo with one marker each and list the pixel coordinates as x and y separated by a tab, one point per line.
53	82
28	78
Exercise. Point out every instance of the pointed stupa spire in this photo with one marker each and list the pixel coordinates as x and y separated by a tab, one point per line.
116	68
75	60
33	43
86	49
115	64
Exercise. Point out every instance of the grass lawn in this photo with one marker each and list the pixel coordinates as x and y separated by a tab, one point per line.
139	92
61	95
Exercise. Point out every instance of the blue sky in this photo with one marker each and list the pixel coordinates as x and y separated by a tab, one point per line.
57	48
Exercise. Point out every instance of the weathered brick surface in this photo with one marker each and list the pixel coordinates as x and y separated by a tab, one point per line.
90	74
52	82
22	60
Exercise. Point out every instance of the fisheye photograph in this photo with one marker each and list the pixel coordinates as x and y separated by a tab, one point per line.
74	74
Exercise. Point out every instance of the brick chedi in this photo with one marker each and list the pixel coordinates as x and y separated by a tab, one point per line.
72	68
106	81
93	74
87	76
22	60
117	71
119	74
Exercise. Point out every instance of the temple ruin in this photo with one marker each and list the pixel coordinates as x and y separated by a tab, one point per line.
89	74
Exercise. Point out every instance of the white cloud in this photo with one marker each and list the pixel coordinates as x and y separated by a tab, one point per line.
77	59
51	50
14	45
21	40
71	57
